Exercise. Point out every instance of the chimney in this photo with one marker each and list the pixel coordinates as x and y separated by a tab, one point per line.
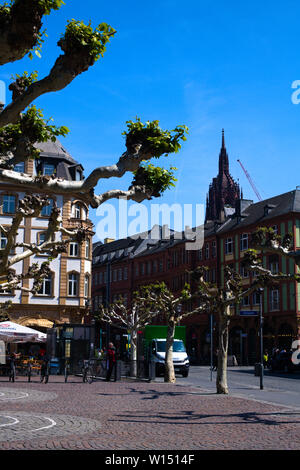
108	240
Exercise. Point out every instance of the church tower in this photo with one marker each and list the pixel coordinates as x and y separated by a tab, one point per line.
223	190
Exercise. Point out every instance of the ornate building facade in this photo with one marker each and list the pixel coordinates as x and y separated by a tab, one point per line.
65	294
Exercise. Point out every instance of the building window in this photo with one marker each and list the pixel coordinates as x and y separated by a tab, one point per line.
41	238
87	248
213	249
3	240
154	266
120	275
46	288
244	241
86	286
48	169
73	249
244	272
200	254
115	275
161	265
275	228
46	210
73	285
142	269
246	301
256	298
274	264
228	246
9	204
213	276
207	251
78	175
77	211
274	299
125	274
20	167
137	270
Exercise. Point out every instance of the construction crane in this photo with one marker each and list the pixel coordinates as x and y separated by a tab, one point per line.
250	181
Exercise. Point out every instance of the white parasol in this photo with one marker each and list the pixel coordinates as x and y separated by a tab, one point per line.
13	333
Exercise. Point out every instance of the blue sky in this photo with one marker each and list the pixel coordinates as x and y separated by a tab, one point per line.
209	65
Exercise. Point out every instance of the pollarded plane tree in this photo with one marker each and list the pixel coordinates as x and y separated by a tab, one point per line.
266	240
132	318
221	301
173	309
23	127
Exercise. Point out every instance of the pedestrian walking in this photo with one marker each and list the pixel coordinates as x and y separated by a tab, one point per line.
111	361
12	366
265	359
45	369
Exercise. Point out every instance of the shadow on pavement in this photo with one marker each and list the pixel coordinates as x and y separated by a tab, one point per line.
190	417
269	373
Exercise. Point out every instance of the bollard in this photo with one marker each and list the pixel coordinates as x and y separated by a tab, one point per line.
118	371
257	368
152	374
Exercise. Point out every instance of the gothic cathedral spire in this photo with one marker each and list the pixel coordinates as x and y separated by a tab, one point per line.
223	190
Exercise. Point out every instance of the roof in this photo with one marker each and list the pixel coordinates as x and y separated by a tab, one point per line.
265	210
55	150
144	243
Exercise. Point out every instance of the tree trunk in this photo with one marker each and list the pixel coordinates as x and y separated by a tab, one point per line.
133	355
169	366
221	382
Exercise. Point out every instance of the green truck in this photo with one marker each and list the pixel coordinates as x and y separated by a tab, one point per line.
155	337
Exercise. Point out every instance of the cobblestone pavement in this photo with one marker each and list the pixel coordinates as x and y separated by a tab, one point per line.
132	415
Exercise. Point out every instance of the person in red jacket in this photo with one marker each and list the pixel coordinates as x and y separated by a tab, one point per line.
111	359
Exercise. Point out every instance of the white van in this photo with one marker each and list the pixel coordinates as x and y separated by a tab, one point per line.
180	358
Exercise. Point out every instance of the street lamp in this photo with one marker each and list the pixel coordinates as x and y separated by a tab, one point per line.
261	340
211	347
108	279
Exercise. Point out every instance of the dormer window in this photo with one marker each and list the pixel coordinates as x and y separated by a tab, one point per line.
48	169
78	175
268	208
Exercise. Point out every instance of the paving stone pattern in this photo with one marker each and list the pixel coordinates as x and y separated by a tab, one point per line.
132	415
